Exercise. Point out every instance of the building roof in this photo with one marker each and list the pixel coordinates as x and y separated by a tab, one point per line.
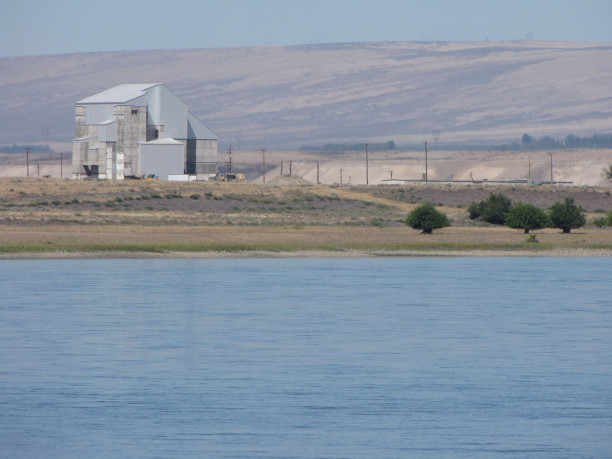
197	130
162	142
119	94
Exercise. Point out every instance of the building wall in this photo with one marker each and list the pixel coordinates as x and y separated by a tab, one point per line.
131	130
162	159
167	110
206	157
79	156
107	132
81	126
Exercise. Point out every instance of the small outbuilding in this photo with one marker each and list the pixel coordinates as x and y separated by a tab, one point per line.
140	130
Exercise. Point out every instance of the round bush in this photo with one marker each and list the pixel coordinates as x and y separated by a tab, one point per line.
492	210
526	217
427	218
566	215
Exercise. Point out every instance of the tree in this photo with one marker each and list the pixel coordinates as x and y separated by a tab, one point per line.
608	172
493	210
427	218
527	139
566	215
526	217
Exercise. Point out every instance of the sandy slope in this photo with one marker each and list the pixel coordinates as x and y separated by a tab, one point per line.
581	167
285	97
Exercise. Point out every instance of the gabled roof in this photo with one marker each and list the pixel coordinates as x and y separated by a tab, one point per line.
119	94
197	130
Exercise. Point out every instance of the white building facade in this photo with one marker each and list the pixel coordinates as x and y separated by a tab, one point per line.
140	130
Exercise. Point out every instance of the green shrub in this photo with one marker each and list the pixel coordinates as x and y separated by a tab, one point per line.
492	210
604	221
427	218
195	196
566	215
526	217
601	221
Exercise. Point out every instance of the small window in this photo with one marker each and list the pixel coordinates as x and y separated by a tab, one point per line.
134	111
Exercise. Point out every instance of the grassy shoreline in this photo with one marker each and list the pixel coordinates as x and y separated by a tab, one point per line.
293	247
44	218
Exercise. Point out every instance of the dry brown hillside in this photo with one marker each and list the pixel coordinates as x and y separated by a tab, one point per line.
285	97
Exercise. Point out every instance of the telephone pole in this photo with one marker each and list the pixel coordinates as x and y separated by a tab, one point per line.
529	169
367	178
551	170
426	162
28	161
263	152
340	176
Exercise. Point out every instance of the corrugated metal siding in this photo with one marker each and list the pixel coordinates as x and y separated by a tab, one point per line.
162	159
107	132
169	111
98	113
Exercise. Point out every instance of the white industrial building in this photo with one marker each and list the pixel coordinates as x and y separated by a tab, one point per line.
140	130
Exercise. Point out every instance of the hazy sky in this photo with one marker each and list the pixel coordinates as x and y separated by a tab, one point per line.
32	27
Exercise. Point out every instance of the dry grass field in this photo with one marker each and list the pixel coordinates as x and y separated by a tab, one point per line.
65	218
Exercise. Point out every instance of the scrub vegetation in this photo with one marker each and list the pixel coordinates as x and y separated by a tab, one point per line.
51	216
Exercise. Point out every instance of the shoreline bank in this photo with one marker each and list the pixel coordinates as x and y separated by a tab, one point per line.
63	255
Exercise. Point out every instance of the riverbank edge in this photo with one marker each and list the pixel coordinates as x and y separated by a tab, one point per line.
560	252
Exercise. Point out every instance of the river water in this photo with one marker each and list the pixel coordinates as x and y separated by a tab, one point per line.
306	358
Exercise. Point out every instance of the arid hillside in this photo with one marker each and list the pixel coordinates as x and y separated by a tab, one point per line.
286	97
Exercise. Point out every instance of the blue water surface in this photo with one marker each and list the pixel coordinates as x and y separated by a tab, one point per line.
306	358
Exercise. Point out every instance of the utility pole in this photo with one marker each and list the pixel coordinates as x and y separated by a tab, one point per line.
38	170
263	152
391	172
367	175
426	162
28	161
290	166
61	165
551	169
318	182
281	167
341	176
529	177
229	165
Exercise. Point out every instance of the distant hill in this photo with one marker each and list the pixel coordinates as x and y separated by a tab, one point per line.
288	97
